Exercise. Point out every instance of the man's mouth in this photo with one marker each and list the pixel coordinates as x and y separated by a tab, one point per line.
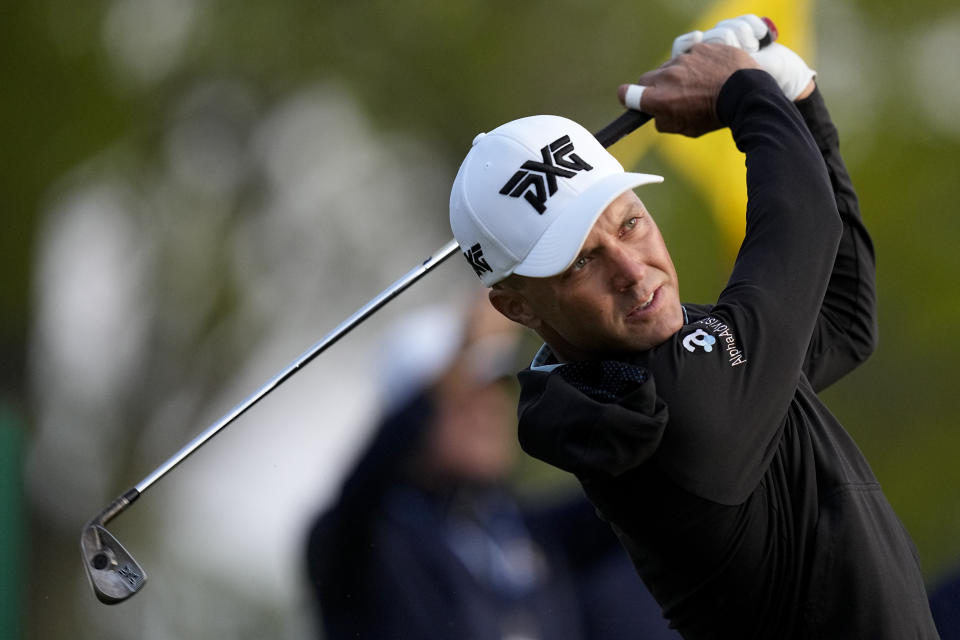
645	304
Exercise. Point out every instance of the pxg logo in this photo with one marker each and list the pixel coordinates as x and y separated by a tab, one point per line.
537	181
476	260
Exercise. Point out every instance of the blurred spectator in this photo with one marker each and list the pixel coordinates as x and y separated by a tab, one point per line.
945	606
426	540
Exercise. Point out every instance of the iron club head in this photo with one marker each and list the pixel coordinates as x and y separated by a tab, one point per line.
112	571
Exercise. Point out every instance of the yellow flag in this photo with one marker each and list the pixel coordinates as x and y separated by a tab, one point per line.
712	162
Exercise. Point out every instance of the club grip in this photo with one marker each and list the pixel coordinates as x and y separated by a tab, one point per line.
628	121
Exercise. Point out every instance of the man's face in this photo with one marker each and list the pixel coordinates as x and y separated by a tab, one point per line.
620	294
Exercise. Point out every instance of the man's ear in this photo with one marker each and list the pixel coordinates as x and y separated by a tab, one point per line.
512	304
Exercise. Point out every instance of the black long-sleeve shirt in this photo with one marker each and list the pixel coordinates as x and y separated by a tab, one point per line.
744	504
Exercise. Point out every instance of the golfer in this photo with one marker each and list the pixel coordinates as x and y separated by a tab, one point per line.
696	429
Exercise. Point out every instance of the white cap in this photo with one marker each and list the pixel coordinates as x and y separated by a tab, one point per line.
528	193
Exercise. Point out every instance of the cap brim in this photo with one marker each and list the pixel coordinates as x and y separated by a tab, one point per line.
559	245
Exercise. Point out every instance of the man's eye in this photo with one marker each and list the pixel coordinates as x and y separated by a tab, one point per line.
632	222
580	263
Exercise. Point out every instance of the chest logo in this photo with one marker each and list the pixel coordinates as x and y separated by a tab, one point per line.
717	333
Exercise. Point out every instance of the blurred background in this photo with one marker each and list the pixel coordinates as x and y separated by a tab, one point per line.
195	191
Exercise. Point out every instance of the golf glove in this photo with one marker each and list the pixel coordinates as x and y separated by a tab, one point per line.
745	32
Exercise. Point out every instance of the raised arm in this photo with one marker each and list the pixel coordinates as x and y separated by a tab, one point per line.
718	443
845	333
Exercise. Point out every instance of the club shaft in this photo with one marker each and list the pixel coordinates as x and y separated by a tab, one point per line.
341	330
627	122
624	124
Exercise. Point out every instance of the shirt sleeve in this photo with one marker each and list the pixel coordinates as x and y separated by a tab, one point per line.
728	377
846	331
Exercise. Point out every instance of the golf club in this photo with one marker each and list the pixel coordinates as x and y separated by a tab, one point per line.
113	573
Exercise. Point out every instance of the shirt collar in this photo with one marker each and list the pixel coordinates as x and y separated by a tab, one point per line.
544	360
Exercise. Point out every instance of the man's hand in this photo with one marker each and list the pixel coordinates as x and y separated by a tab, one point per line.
682	94
745	32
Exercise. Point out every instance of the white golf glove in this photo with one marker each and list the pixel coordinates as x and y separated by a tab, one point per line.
745	32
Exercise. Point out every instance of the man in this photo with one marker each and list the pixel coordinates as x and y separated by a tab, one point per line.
696	430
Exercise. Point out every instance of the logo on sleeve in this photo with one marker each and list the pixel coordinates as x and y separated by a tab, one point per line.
715	334
537	181
699	338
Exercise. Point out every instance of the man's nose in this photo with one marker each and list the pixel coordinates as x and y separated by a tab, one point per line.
627	269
